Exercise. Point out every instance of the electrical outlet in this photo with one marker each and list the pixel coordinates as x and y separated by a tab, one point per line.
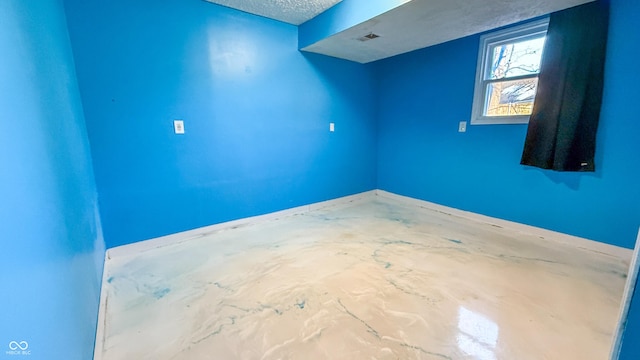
178	126
462	126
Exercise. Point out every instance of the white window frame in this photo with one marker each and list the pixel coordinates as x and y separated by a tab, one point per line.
487	42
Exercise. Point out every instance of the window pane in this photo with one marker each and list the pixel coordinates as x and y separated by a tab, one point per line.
508	98
516	59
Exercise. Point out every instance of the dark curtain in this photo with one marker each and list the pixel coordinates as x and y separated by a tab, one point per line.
562	128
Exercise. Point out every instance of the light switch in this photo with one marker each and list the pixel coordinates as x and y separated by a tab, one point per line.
332	127
462	126
178	126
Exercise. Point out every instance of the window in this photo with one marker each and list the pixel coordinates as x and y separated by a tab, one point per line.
507	74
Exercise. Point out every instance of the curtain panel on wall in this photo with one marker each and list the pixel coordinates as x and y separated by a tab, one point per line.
562	128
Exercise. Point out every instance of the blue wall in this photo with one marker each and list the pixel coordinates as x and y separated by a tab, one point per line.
424	94
630	349
51	250
623	90
256	114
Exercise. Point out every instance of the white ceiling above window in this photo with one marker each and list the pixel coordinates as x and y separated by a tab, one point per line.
290	11
421	23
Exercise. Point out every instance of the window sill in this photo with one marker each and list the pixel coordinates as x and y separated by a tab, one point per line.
501	120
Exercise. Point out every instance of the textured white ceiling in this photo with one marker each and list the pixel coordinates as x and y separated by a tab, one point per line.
290	11
421	23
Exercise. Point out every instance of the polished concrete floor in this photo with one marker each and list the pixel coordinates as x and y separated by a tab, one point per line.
376	279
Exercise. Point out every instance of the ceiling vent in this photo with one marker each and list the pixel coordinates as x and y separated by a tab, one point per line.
368	37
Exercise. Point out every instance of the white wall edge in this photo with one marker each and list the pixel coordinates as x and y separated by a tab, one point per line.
142	246
102	315
567	239
627	296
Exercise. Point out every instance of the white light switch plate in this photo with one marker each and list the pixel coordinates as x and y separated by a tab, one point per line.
462	126
332	127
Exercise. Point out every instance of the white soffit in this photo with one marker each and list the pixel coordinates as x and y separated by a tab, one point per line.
290	11
422	23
